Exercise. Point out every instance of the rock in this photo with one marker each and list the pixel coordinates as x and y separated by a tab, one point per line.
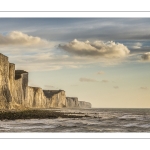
12	80
21	86
72	102
36	98
55	98
5	94
15	92
83	104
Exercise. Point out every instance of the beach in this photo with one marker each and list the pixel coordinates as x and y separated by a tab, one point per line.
76	120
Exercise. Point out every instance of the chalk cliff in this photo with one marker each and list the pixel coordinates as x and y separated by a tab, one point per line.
14	91
72	102
5	93
55	98
83	104
36	98
21	86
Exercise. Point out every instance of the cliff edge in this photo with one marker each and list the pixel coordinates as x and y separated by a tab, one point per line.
15	92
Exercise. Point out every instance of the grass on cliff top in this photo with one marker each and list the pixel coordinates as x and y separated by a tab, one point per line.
36	114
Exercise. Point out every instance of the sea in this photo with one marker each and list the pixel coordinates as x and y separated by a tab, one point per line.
93	120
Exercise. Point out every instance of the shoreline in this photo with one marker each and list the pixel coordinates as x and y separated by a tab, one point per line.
38	114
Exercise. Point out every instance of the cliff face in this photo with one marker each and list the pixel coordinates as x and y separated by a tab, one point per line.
12	81
83	104
55	98
21	86
72	102
5	94
14	91
36	98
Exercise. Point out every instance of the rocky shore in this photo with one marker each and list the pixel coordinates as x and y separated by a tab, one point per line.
38	114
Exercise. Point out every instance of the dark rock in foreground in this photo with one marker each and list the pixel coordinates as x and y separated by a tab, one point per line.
37	114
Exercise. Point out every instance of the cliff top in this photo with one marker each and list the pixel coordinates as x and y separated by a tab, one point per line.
50	93
20	71
12	63
18	74
34	87
71	97
3	55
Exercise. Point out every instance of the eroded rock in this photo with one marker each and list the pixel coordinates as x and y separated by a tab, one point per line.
15	92
72	102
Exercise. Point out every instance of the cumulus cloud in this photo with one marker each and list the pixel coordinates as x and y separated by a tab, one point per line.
143	88
116	87
146	56
105	81
19	38
108	49
100	72
87	80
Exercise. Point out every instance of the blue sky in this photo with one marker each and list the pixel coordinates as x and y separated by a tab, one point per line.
104	61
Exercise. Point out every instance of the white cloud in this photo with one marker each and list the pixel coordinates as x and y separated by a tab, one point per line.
146	56
87	80
49	60
137	45
36	54
46	62
18	43
108	49
19	38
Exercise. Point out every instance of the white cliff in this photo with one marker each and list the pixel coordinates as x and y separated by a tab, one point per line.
72	102
14	91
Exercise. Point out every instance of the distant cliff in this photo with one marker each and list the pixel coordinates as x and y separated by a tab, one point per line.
72	102
83	104
15	92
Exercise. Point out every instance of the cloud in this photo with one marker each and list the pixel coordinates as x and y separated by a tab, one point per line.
19	38
46	61
143	88
87	80
100	72
96	28
134	45
137	45
105	81
108	49
116	87
146	56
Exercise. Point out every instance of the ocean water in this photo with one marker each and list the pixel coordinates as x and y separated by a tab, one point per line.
99	120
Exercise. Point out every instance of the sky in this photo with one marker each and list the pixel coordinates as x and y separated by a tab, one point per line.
104	61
